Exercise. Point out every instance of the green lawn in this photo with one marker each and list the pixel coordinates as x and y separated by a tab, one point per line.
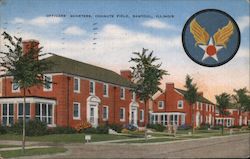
66	138
32	152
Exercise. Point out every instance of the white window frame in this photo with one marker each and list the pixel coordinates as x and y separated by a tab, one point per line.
161	102
123	110
182	104
51	85
107	111
20	116
78	84
8	114
122	92
105	93
92	93
79	111
12	87
141	115
47	113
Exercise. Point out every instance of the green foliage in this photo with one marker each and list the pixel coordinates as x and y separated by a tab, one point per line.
3	130
157	127
184	127
241	99
223	101
117	127
146	74
33	128
191	94
102	129
204	126
216	127
61	130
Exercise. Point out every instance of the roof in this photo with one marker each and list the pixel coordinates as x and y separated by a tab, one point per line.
65	65
200	98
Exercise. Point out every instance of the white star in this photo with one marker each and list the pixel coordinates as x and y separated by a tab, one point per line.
206	55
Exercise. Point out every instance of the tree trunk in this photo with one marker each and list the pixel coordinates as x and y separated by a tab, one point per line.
24	119
146	112
192	114
222	127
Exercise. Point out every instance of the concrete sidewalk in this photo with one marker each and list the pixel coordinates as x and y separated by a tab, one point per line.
19	148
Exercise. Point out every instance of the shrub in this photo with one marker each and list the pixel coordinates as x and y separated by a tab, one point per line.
157	127
204	126
89	131
117	127
131	127
81	127
216	127
3	130
61	130
184	127
102	129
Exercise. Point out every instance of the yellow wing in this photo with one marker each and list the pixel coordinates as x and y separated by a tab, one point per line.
200	34
222	36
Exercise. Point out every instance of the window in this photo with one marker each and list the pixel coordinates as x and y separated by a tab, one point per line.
7	114
20	111
15	87
44	112
77	85
76	110
180	104
122	114
141	115
105	112
105	90
92	87
48	83
122	93
161	104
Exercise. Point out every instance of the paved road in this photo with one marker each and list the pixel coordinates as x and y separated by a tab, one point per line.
237	146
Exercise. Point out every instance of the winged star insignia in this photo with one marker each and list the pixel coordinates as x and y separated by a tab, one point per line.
211	45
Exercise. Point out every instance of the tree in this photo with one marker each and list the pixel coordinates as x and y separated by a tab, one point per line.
146	76
223	102
241	100
26	70
191	96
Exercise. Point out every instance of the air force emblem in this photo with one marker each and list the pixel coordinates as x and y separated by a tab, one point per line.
211	38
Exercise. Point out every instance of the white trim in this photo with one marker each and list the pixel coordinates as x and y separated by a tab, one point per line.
178	92
92	93
15	91
79	110
51	85
162	102
78	90
47	113
107	90
28	100
141	115
107	110
18	116
182	104
8	114
168	113
122	92
124	111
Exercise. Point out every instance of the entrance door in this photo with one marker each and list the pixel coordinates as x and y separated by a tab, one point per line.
133	118
93	115
198	119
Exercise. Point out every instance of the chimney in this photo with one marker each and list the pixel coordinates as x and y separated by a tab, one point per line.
200	94
169	86
29	44
126	74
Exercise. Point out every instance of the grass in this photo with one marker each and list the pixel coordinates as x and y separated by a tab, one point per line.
32	152
6	146
65	138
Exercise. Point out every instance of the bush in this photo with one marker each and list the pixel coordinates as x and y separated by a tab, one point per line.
81	127
3	130
89	131
184	127
102	129
157	127
117	127
204	126
61	130
131	127
235	126
216	127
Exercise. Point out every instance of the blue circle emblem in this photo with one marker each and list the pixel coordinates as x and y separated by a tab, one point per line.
211	37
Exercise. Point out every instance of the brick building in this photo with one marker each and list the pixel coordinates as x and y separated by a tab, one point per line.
80	92
170	108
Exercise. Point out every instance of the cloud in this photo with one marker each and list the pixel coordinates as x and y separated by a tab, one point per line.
156	24
38	21
243	22
74	30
